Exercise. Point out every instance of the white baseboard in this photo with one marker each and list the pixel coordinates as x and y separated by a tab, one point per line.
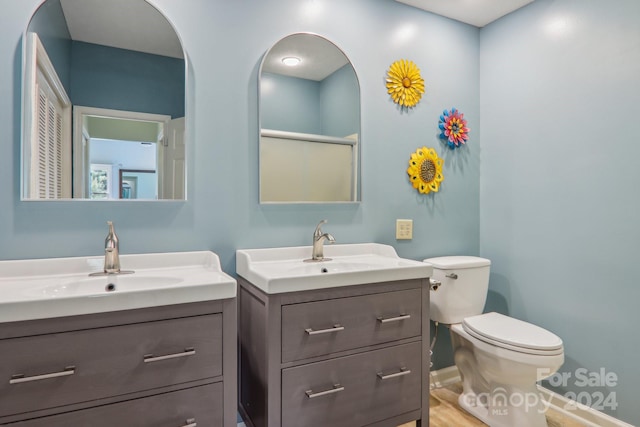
443	377
589	416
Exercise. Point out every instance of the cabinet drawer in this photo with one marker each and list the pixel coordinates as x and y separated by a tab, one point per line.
199	405
353	390
323	327
84	365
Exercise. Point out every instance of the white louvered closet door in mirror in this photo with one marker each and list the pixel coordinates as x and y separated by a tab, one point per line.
50	141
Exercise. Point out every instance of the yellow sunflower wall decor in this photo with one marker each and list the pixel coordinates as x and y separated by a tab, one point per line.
404	83
425	170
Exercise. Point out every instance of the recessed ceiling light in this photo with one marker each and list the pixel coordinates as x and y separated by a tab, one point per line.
291	61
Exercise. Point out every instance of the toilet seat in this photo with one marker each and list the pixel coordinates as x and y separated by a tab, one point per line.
512	334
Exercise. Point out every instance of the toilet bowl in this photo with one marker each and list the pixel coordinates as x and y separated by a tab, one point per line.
499	358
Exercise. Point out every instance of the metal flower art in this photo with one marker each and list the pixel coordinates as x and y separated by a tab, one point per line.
404	83
425	170
453	127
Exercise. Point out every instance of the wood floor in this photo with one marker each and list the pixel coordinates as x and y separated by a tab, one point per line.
444	411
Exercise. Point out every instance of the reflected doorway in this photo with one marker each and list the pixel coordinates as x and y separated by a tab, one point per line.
126	141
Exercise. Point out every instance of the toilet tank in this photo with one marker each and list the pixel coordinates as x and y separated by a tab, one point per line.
463	292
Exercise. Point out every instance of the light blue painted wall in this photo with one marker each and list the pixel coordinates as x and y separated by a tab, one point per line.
560	92
290	103
222	212
340	103
327	107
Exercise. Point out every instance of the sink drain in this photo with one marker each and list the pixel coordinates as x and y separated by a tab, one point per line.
110	287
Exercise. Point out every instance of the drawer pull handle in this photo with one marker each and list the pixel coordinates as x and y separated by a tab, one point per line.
394	319
403	371
191	422
20	378
190	351
336	389
335	328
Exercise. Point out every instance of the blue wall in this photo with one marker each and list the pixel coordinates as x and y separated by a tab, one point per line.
120	79
560	92
50	25
290	104
328	107
106	77
340	103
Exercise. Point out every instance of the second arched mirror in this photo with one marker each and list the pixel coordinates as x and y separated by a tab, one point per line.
309	102
104	103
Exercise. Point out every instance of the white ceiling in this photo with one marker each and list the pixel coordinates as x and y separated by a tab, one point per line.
475	12
136	25
319	57
125	24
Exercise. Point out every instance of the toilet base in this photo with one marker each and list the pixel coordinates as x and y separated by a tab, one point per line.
506	406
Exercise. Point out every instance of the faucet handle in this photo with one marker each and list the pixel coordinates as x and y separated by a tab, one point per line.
318	231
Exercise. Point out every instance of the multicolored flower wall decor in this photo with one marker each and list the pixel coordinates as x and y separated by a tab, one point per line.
453	127
425	170
404	83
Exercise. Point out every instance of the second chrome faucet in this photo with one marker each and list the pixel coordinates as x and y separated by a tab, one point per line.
319	237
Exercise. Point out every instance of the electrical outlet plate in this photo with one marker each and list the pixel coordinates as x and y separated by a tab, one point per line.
404	229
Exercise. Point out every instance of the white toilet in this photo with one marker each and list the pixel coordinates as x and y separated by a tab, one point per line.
499	358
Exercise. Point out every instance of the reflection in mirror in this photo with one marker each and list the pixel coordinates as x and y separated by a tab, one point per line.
104	91
309	123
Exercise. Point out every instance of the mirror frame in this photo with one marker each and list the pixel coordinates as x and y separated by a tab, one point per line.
357	168
28	105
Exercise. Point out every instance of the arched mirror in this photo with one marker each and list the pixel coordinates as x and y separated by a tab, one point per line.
103	103
309	123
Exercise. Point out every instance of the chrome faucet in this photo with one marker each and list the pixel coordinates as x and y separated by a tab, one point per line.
111	254
111	251
318	243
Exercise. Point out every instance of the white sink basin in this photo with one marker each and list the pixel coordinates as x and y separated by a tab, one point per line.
98	285
278	270
44	288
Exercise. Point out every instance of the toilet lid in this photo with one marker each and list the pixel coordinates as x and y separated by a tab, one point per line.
457	262
513	334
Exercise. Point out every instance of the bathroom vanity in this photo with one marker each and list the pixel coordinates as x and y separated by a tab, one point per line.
336	343
160	364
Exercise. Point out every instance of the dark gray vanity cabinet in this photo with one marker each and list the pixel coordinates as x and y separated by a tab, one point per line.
351	356
162	366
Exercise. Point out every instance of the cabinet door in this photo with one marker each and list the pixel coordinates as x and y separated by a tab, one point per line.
323	327
354	390
200	406
57	369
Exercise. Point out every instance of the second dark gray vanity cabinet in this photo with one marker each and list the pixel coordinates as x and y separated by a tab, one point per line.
352	356
322	327
353	390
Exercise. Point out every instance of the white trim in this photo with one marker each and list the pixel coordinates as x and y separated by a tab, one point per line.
584	414
443	377
589	416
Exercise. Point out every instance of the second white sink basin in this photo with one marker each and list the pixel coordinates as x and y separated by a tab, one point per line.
56	287
278	270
